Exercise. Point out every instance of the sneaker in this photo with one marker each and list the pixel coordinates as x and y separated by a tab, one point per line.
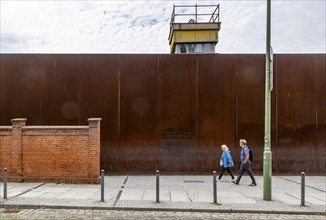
237	183
253	184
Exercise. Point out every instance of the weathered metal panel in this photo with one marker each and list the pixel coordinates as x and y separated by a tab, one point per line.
207	115
21	80
177	121
250	107
137	149
61	88
320	84
296	113
172	112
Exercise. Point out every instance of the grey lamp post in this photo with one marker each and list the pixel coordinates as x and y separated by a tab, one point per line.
268	87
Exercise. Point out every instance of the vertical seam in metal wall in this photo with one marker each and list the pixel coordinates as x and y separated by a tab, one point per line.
157	111
41	90
119	100
236	102
216	100
275	71
197	110
79	90
316	105
79	105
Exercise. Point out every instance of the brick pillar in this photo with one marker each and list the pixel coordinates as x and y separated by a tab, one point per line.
16	148
94	149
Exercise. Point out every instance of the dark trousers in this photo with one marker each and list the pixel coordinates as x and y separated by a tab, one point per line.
222	171
243	168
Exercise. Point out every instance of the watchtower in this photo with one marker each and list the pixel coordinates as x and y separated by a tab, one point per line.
194	28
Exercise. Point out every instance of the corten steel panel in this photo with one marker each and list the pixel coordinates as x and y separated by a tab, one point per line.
207	111
321	114
177	107
216	109
138	115
250	96
21	85
61	87
216	98
297	108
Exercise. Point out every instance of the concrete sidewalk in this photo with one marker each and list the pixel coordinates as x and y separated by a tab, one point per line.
177	193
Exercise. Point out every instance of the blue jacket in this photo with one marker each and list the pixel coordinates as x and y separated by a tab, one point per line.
227	159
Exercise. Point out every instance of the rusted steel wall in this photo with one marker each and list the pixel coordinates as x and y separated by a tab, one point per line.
172	112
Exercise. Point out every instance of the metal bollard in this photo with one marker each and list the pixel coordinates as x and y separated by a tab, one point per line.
102	185
5	179
157	186
302	188
214	187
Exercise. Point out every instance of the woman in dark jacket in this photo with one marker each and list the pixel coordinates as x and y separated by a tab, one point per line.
226	161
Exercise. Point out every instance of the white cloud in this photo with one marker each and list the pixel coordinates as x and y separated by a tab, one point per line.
143	26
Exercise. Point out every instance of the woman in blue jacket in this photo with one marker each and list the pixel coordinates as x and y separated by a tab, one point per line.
226	161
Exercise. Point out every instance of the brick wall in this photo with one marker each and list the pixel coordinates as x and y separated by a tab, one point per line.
51	153
5	140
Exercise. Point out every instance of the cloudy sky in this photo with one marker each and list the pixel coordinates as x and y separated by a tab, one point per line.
298	26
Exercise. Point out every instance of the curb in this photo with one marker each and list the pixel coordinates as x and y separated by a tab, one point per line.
21	206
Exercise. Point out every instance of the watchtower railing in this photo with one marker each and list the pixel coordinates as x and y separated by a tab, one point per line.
196	16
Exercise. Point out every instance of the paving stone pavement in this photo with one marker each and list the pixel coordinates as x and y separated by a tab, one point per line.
189	195
79	214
